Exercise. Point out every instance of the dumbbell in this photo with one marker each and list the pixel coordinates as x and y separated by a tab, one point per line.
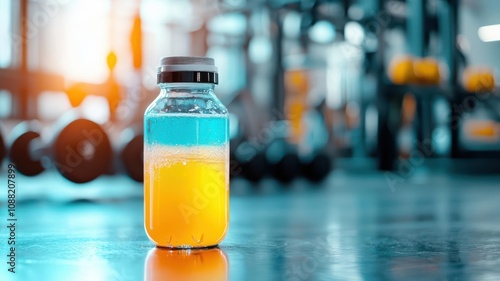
478	80
316	167
3	150
252	160
401	70
482	129
131	152
405	70
426	71
283	160
81	149
26	148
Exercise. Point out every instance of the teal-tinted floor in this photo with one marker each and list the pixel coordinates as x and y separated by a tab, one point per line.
353	227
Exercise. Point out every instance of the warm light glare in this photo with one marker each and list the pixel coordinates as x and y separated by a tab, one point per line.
87	42
489	33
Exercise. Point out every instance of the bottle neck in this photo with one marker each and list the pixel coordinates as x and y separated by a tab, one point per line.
183	90
187	86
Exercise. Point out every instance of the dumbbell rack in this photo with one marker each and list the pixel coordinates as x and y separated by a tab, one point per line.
461	98
426	94
389	96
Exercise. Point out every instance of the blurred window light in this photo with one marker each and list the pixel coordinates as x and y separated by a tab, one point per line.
96	108
51	105
178	12
322	32
291	25
343	58
260	49
230	24
354	33
5	104
87	41
5	33
489	33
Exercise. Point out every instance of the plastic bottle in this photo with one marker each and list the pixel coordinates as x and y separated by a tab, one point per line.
186	157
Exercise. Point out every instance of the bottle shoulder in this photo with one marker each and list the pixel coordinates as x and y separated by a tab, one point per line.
187	105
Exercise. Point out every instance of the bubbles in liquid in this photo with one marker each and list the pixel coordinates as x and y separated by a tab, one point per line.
164	156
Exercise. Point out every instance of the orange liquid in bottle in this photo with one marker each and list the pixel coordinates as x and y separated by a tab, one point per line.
186	195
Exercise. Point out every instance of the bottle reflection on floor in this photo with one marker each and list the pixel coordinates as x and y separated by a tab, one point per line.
183	265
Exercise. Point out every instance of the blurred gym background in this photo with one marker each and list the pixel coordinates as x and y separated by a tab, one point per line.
314	88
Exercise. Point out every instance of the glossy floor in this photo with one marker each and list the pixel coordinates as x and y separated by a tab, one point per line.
353	227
